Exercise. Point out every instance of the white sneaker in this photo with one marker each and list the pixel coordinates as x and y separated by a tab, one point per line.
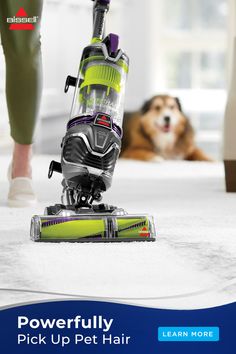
21	192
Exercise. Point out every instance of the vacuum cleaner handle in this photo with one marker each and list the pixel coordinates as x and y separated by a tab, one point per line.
100	9
103	2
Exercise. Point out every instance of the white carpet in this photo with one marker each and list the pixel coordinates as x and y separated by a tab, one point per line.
191	265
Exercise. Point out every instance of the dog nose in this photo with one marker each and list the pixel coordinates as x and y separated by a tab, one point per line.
167	119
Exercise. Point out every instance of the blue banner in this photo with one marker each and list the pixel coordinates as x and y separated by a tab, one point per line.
104	327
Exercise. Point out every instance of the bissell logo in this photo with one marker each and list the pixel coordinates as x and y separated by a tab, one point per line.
21	21
144	232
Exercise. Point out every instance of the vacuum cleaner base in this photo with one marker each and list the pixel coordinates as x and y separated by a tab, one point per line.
87	225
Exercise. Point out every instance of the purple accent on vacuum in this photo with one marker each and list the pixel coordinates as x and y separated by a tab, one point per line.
104	2
117	130
59	220
114	42
80	120
90	119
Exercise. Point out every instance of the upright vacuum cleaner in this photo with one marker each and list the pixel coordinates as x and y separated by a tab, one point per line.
90	149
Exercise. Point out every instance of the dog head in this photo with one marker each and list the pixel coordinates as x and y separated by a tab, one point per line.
162	115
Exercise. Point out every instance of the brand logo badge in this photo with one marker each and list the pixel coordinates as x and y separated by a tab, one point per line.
144	232
21	21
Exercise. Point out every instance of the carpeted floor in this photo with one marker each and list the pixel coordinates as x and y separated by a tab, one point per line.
191	265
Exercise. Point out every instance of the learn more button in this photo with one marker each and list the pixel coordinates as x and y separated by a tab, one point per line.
188	334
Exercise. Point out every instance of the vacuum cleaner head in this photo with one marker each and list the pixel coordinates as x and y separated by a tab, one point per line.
92	228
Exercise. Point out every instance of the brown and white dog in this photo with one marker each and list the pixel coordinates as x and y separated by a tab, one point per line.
160	131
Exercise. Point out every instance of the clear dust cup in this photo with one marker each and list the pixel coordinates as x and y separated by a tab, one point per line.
101	87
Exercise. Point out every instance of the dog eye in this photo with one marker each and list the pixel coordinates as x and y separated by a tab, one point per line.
172	107
157	108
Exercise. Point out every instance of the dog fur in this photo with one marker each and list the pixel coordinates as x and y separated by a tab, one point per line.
160	131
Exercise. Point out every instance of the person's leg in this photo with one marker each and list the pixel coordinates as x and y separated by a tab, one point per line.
21	160
23	79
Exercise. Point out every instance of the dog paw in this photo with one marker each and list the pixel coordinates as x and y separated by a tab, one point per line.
157	159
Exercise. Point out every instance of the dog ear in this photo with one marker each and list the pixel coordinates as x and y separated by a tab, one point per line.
146	106
178	104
